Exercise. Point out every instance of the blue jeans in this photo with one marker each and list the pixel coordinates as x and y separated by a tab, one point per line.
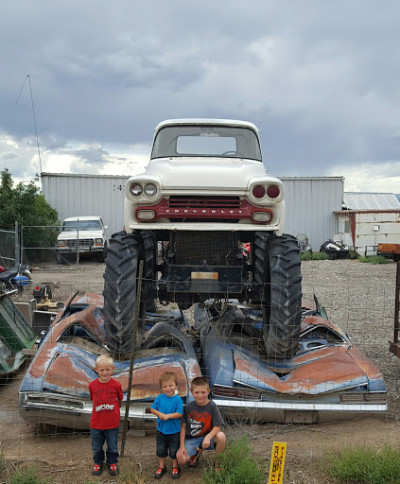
98	438
191	444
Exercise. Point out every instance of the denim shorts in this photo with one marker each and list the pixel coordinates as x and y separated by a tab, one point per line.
191	445
167	444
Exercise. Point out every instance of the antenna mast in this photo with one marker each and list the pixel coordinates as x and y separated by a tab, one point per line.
34	117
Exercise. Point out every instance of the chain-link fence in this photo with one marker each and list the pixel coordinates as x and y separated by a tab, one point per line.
38	245
9	247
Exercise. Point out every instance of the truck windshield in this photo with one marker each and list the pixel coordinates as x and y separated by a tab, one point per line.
206	140
72	225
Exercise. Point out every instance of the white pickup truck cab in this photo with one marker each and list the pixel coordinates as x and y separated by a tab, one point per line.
81	236
208	202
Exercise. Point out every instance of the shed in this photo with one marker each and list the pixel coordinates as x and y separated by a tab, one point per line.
369	219
310	201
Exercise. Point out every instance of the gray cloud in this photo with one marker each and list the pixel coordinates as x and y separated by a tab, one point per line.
318	78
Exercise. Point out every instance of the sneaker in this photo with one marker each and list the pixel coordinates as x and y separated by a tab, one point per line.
113	469
194	460
160	472
97	469
176	473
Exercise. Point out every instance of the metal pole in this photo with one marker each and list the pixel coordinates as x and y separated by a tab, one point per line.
397	305
17	249
133	354
77	244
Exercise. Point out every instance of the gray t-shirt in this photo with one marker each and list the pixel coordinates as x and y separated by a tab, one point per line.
200	419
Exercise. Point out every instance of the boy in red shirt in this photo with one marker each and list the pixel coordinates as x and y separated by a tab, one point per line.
107	396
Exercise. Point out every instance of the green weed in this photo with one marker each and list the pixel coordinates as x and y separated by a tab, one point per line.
3	465
28	475
237	466
131	476
305	256
363	465
374	259
320	256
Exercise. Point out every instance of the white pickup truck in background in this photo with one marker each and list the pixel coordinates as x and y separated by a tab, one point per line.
81	236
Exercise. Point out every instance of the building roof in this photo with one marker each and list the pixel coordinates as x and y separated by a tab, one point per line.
370	201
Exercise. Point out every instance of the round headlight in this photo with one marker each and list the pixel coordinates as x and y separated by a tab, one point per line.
150	190
136	189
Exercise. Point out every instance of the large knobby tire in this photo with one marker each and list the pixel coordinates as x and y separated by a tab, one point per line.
277	274
124	253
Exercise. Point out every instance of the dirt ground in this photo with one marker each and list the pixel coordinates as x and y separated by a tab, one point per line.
358	297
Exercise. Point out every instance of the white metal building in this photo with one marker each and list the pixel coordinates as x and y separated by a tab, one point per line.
310	202
369	219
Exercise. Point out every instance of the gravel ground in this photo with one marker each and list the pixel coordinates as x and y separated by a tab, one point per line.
358	297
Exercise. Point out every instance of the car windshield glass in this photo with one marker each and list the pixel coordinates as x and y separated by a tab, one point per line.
72	225
206	140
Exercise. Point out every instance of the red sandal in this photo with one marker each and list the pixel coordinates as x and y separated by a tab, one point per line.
160	472
194	461
176	473
97	469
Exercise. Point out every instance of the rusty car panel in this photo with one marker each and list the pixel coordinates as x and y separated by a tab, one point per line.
55	387
328	377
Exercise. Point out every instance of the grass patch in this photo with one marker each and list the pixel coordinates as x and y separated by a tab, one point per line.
28	475
237	466
3	465
374	259
320	256
304	256
131	476
364	465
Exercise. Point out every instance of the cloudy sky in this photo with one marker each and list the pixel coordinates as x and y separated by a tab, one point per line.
320	79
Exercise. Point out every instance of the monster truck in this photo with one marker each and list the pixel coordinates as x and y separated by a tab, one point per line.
206	220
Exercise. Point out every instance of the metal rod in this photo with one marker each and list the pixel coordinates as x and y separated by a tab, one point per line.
397	305
133	354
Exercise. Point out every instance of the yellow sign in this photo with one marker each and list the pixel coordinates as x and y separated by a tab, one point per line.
278	455
204	275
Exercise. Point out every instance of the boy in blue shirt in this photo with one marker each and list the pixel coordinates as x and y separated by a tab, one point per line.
168	407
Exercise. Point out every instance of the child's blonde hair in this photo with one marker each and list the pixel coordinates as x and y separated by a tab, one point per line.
104	359
168	376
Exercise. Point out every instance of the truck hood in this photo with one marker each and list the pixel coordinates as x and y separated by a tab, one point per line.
83	234
205	172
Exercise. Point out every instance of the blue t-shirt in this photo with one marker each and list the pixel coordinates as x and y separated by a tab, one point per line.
166	404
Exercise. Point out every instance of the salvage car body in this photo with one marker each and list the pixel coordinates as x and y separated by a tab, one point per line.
55	387
328	378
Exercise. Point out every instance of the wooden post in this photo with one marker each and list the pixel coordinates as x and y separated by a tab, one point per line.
133	354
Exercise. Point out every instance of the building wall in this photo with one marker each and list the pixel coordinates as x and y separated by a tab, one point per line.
74	195
364	230
310	202
310	206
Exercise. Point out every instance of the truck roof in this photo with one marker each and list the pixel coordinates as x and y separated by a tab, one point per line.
206	121
82	217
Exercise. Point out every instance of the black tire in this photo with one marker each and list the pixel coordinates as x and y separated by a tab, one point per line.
277	276
122	266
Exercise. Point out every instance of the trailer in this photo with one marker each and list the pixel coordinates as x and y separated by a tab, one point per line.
390	251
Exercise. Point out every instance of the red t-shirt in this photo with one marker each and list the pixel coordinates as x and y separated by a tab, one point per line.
106	412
